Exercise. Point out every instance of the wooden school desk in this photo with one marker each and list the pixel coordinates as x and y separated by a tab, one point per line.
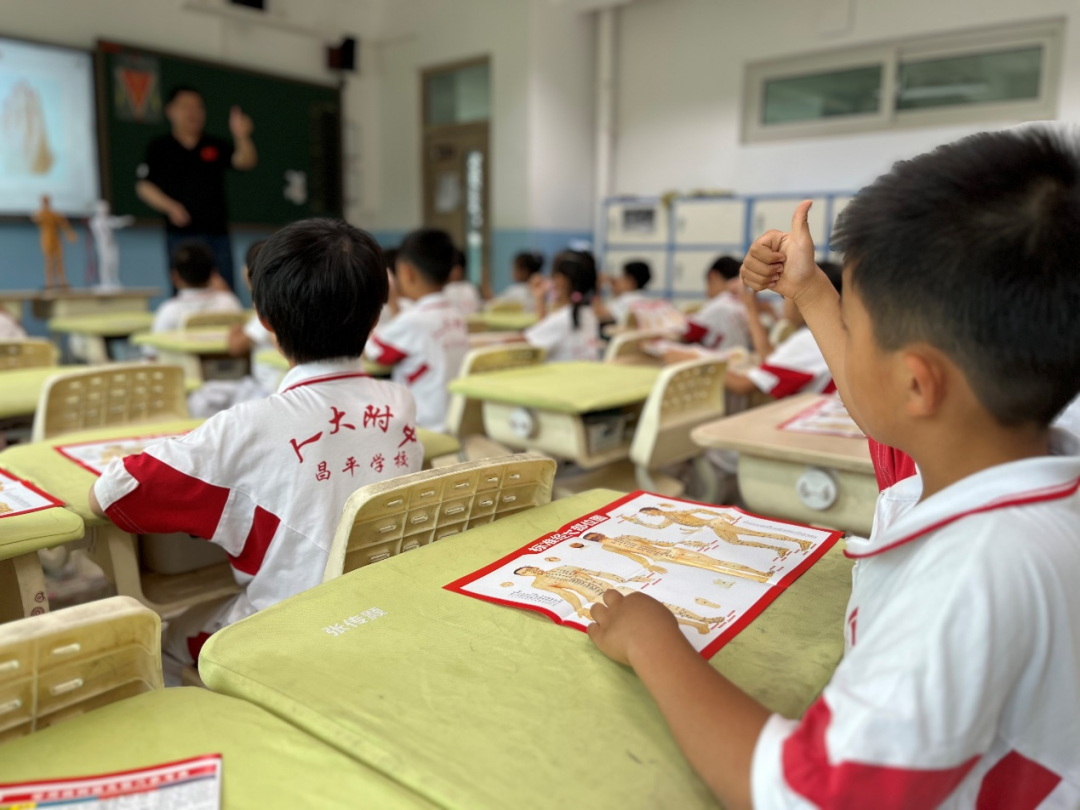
580	412
94	330
202	353
47	304
20	390
824	480
474	705
116	551
266	762
501	321
22	582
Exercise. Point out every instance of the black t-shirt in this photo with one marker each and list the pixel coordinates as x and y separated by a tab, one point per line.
195	178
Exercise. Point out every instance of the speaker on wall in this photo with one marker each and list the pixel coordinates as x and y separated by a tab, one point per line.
259	5
343	56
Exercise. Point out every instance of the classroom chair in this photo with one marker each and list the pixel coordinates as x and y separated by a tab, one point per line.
385	519
781	331
505	307
30	353
626	347
685	396
465	417
61	665
124	393
209	320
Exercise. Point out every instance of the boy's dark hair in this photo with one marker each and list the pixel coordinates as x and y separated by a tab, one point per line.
431	252
193	261
639	271
177	90
530	261
252	253
579	268
834	273
726	266
321	285
972	249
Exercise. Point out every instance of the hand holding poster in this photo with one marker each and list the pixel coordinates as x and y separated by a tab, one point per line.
714	567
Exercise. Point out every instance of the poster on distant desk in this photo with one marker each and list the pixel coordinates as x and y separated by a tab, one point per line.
826	418
96	456
714	567
18	497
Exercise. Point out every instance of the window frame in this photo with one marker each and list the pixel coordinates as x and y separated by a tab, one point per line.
1047	34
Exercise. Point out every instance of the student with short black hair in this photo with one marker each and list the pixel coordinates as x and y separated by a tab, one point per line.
426	343
723	323
192	272
629	299
462	292
267	479
955	344
568	328
527	264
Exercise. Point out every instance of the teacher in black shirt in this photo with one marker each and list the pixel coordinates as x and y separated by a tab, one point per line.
183	175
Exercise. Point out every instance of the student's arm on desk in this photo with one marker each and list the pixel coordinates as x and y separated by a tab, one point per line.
95	507
714	722
784	262
738	383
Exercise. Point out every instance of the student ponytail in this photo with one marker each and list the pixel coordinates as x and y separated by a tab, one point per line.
579	268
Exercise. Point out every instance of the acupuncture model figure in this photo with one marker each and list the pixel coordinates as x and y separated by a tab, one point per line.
50	223
102	226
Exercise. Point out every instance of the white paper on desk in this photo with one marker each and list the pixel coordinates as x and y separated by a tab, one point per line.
715	567
17	497
192	784
96	456
826	418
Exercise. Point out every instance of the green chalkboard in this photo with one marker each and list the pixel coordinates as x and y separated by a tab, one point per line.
297	129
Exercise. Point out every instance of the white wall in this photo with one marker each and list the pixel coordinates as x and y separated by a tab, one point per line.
680	83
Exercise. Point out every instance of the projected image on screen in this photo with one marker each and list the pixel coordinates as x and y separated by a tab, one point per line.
48	138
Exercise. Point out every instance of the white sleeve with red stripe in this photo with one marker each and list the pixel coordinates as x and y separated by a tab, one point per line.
393	342
795	365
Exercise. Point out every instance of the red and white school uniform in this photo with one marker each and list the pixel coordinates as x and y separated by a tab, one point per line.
960	686
796	366
170	315
557	335
464	296
426	345
267	480
648	312
721	324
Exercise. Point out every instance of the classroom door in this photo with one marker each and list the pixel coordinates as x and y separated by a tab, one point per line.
456	164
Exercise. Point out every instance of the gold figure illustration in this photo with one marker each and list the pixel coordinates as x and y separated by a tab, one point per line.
4	508
645	552
50	223
582	588
720	524
701	600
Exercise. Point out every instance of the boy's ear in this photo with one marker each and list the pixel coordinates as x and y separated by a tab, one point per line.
927	381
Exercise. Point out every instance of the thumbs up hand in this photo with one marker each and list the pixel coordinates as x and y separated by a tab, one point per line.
780	261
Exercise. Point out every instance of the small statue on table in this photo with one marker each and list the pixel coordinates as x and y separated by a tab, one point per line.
50	223
102	225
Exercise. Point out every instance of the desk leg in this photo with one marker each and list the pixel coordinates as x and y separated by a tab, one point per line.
97	350
22	588
114	550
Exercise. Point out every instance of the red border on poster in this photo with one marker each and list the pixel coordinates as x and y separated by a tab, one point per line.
817	406
62	448
53	502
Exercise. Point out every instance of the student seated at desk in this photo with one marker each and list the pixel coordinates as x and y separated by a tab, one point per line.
795	366
461	292
192	273
630	299
267	479
568	327
957	343
526	265
426	343
10	329
723	322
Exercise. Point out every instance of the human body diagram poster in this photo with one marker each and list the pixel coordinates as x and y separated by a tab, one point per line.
826	418
96	456
17	497
714	567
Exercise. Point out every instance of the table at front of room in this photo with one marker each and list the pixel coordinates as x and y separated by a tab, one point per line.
824	480
118	552
267	764
46	304
474	705
581	412
94	331
22	582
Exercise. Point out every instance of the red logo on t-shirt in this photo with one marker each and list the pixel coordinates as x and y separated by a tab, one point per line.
209	153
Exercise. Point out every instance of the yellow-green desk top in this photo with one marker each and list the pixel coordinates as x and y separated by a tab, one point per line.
22	534
579	387
504	321
474	705
275	359
266	762
120	324
186	341
66	481
21	388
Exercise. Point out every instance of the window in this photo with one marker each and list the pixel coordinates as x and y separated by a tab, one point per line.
459	96
1004	75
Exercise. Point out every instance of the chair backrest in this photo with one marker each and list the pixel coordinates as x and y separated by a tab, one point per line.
28	353
203	320
505	305
781	331
59	665
625	347
685	396
120	394
465	417
388	518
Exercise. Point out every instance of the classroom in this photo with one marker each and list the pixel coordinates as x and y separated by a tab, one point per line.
468	404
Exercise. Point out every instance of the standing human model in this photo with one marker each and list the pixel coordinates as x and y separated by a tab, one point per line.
50	223
102	225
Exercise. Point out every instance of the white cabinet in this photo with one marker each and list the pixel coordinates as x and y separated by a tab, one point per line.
688	272
637	223
656	258
709	222
770	214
